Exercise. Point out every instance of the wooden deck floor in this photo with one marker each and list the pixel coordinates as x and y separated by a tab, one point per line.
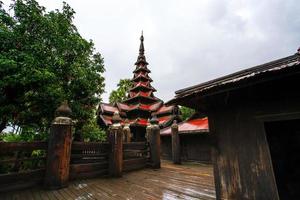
188	181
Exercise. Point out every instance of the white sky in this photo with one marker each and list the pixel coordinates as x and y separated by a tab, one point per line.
187	42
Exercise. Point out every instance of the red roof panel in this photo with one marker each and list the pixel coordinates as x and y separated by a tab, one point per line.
108	108
155	106
193	125
144	94
164	119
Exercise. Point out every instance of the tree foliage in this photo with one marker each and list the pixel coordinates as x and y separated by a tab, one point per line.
121	93
43	61
186	112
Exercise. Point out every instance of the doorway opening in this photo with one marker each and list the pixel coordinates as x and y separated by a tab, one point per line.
284	143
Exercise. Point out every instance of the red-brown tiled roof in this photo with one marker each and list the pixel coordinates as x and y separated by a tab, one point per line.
141	93
108	108
189	126
106	119
141	68
142	75
164	109
164	119
156	106
140	121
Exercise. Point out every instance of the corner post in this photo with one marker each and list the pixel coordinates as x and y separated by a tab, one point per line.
154	142
127	132
59	149
116	142
176	156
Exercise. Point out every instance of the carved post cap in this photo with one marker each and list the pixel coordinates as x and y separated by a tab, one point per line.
116	119
63	110
126	124
174	125
63	113
154	120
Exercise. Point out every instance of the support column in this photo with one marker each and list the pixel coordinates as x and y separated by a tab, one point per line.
59	149
116	142
176	155
154	142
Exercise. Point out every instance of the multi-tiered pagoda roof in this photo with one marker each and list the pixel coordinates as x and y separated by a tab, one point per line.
141	103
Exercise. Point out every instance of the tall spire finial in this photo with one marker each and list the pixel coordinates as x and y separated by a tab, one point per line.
141	58
142	45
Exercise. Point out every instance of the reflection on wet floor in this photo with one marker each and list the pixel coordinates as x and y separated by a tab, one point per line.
187	181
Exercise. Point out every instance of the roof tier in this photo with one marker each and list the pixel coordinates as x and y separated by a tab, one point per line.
141	76
142	86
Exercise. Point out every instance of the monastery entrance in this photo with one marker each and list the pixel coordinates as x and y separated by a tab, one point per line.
284	143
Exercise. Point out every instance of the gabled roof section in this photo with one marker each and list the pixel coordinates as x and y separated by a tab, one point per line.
108	108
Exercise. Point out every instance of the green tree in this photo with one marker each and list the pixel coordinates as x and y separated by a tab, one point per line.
92	132
186	112
121	93
43	61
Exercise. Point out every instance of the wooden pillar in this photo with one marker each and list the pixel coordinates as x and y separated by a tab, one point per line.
116	141
176	155
59	149
154	142
127	132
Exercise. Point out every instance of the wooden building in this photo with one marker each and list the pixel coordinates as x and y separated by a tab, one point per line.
195	144
141	103
254	121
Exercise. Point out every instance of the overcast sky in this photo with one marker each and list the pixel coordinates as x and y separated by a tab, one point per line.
186	42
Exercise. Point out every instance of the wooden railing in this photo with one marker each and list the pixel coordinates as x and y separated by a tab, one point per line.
135	155
22	164
89	159
53	163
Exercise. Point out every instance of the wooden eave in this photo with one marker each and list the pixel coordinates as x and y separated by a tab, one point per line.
258	74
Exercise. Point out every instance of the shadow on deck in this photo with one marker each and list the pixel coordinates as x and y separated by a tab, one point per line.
187	181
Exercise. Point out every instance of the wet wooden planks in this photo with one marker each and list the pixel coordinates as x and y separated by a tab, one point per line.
187	181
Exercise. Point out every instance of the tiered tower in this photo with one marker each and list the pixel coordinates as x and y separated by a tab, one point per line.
141	101
141	104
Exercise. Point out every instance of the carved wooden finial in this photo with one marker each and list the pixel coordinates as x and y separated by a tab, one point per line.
63	110
116	119
154	120
174	125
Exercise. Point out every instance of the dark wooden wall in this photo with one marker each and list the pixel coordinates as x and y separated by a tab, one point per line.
242	162
194	147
